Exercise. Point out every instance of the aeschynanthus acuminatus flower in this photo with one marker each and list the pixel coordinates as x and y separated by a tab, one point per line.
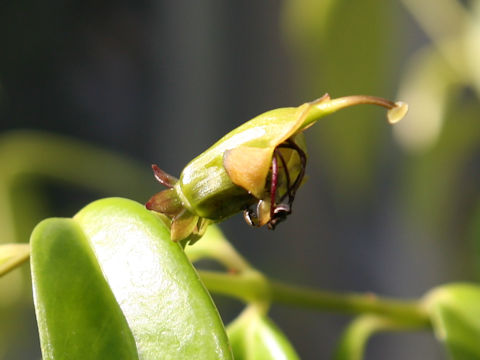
256	168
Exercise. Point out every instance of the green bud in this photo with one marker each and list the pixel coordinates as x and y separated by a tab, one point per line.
256	168
253	335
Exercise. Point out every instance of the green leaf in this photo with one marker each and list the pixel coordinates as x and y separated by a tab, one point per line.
170	313
455	314
12	255
78	317
255	337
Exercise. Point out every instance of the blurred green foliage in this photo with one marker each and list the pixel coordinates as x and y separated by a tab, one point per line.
138	296
343	47
29	160
338	46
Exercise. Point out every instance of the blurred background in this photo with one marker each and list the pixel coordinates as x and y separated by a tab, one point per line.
92	93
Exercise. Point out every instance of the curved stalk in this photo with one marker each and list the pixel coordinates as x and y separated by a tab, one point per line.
252	287
12	256
354	340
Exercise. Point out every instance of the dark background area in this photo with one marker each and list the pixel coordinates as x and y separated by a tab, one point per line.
161	81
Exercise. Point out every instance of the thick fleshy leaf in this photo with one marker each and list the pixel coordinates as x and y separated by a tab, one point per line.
255	337
11	255
78	317
455	314
170	313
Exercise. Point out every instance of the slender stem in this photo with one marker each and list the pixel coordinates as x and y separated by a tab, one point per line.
252	287
12	256
325	105
350	303
346	101
214	246
248	286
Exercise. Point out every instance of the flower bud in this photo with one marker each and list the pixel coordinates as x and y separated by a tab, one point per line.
256	168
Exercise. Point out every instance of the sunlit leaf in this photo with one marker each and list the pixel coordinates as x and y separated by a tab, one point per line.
112	275
170	313
255	337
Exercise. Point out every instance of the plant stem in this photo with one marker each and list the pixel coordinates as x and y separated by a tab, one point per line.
252	286
12	256
350	303
249	285
325	105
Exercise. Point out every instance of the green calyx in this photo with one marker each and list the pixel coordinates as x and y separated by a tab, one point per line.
173	209
256	168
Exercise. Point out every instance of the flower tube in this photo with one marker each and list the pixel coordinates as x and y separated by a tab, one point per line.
256	168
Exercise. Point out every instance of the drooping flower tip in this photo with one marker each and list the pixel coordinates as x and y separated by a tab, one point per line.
398	112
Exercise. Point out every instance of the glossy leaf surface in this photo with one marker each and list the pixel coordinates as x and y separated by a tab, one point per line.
170	313
455	313
110	284
78	317
255	337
